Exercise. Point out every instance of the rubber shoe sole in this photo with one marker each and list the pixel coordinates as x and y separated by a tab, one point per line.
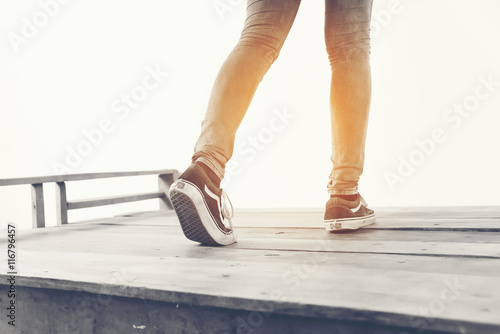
346	224
194	216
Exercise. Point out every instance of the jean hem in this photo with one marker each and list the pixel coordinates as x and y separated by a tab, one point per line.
216	169
349	191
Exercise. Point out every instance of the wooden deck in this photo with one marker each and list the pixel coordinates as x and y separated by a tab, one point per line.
417	270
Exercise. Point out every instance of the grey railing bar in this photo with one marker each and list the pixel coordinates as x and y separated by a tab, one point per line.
79	177
37	205
81	204
165	178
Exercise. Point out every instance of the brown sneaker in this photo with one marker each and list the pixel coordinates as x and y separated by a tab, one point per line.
341	214
202	207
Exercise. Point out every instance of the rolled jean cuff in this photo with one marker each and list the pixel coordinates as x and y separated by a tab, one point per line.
215	167
343	191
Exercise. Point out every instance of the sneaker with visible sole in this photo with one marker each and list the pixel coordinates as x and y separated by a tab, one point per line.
342	215
202	207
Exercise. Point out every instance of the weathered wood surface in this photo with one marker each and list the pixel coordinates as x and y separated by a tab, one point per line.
474	219
441	276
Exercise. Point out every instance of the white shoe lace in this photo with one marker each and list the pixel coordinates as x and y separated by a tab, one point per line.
228	210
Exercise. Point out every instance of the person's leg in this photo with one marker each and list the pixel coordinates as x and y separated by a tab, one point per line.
347	37
266	28
201	206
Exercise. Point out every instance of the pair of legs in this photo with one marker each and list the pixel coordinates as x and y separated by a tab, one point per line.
196	196
347	38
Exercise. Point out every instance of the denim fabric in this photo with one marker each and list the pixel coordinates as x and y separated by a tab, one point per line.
347	39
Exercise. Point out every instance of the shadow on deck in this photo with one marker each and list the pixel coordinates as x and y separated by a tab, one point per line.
418	270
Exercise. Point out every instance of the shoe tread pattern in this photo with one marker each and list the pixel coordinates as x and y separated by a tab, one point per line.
190	219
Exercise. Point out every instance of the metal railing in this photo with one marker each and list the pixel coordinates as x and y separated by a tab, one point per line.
165	178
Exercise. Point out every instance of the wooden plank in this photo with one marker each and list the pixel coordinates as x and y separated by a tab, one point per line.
414	224
374	236
441	211
37	205
438	224
309	242
72	205
315	220
386	247
421	243
61	204
79	177
427	243
427	212
167	242
170	243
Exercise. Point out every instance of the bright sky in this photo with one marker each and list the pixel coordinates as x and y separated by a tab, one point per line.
436	77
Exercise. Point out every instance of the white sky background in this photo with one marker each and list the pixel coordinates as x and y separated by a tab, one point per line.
426	57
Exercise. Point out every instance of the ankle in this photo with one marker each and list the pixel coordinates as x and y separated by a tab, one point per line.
352	197
211	174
